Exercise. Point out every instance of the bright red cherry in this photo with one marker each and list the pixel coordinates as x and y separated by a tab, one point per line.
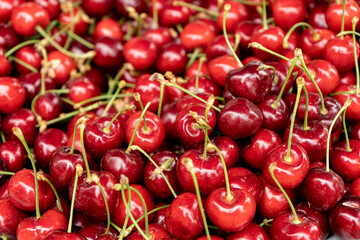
80	26
12	94
352	112
81	89
51	6
197	34
334	14
314	45
140	52
14	155
156	231
108	27
317	16
171	15
253	231
48	106
62	65
160	36
172	57
219	67
237	13
30	56
287	13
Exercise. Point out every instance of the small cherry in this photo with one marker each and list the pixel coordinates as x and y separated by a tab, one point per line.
108	52
140	52
29	56
12	94
61	65
48	106
172	57
171	15
287	13
32	84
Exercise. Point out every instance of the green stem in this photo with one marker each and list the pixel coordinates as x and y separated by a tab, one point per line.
18	133
129	207
82	128
43	178
348	148
74	136
97	181
21	45
348	33
107	129
193	57
189	164
272	167
72	26
306	127
80	40
24	64
226	10
354	22
237	41
145	210
196	8
112	99
201	61
7	173
162	88
117	77
264	17
342	109
316	36
98	98
73	199
3	139
138	124
343	19
43	85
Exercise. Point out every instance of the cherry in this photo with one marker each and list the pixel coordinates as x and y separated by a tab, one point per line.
97	8
172	57
344	218
218	47
62	65
52	7
140	52
48	106
10	216
94	231
30	56
97	77
46	143
187	100
352	111
81	89
6	66
334	14
290	55
240	118
14	155
108	52
118	162
171	15
6	7
205	85
32	84
288	13
12	94
355	187
237	13
312	46
228	149
183	217
63	235
138	5
108	27
156	231
21	190
160	36
168	117
219	67
58	36
251	231
275	118
317	17
75	17
22	118
193	69
348	78
27	16
8	37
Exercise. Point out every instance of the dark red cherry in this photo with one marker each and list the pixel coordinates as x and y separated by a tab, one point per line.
30	56
97	8
108	52
186	100
10	217
8	37
172	57
355	131
46	143
58	36
12	94
138	5
334	14
317	16
80	26
237	13
197	34
140	52
14	155
218	47
205	85
253	231
274	118
48	106
94	231
32	84
171	15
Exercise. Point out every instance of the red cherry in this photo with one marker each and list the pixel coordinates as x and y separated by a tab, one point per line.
160	36
138	5
334	13
315	48
14	155
30	56
205	85
237	13
63	235
172	57
156	232
197	34
218	47
97	8
219	68
32	84
245	29
48	106
355	187
253	231
193	70
8	37
6	67
317	16
140	52
171	15
12	94
352	112
67	18
287	13
108	27
274	118
6	8
63	66
108	52
10	216
82	89
51	6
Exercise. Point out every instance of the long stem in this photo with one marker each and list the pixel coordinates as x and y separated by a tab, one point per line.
193	57
107	128
162	88
348	148
272	167
316	36
138	124
96	179
77	173
7	173
343	19
300	83
201	61
74	136
82	128
43	72
101	97
227	7
80	40
156	166
190	166
155	15
110	103
264	17
348	33
116	78
24	64
306	127
354	22
196	8
145	210
137	98
209	103
40	176
342	109
124	182
18	133
21	45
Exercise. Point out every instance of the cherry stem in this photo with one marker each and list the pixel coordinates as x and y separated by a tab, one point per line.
323	109
257	45
124	181
348	33
74	136
316	36
80	39
264	17
342	109
57	91
121	85
306	127
4	237
18	133
41	177
137	148
165	166
272	167
101	97
7	173
343	19
155	15
193	57
82	128
145	210
162	88
128	209
79	171
275	104
227	7
266	222
196	8
300	83
3	139
96	179
107	129
72	26
205	126
354	22
43	70
138	123
24	64
190	166
237	41
201	61
229	196
21	45
348	148
264	67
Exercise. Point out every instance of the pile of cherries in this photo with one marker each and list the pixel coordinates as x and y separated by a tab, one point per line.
185	119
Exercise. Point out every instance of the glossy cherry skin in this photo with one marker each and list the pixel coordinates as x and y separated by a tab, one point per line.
88	196
262	143
346	163
156	231
197	34
48	106
137	210
319	217
14	155
24	119
27	16
245	29
64	66
171	15
274	118
355	187
205	85
80	26
168	117
46	143
344	218
348	78
183	217
82	89
251	232
159	36
313	47
32	84
6	7
97	8
149	92
193	70
6	67
63	235
52	7
218	47
283	227
317	16
352	112
97	141
155	183
231	216
32	228
172	57
240	118
10	216
323	189
313	140
8	37
12	94
237	13
138	5
249	83
148	139
140	52
340	52
94	231
108	27
287	13
21	190
188	129
219	67
108	52
334	13
30	56
272	200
